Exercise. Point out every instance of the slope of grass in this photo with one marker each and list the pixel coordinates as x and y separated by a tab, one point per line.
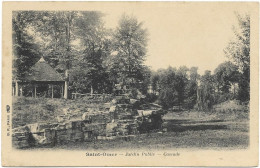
27	110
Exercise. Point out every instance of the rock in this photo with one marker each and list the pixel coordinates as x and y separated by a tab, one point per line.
20	140
107	105
77	111
85	116
21	129
66	111
101	137
112	109
60	118
75	117
38	127
133	101
88	135
140	112
114	101
110	127
61	127
90	110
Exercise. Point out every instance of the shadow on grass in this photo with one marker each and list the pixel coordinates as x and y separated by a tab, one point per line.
175	126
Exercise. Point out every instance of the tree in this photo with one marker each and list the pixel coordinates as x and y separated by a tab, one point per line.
206	92
129	46
168	96
25	50
181	81
94	39
238	50
191	88
55	30
155	78
226	75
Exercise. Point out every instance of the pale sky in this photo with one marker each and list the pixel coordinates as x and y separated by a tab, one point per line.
191	34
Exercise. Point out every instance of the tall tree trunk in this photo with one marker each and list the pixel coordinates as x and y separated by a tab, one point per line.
198	99
13	91
68	59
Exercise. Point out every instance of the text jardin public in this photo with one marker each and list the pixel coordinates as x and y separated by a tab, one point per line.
131	154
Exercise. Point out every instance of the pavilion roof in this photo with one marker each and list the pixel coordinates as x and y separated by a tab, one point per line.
42	71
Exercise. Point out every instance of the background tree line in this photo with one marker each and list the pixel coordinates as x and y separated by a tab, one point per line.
185	88
94	58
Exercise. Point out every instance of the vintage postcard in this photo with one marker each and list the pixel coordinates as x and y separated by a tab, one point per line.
130	83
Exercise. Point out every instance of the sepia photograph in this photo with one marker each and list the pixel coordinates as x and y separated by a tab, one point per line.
144	80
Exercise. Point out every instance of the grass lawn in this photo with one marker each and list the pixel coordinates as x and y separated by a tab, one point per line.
181	134
208	139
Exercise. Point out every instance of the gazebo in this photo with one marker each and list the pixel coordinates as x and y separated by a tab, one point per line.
41	78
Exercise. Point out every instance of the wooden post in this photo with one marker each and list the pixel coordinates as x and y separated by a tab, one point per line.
21	94
61	91
35	91
91	90
234	91
16	88
52	91
66	90
66	85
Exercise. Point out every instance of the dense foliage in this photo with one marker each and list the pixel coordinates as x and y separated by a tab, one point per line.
238	51
26	51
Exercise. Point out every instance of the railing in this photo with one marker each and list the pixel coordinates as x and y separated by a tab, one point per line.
89	95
